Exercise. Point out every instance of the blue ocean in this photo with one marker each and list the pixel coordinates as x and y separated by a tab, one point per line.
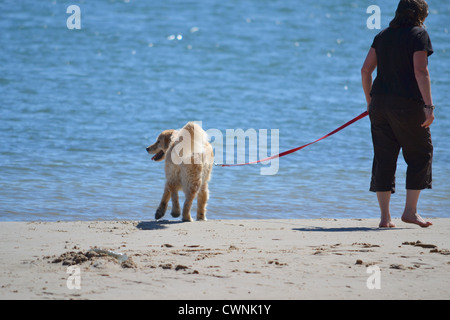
78	106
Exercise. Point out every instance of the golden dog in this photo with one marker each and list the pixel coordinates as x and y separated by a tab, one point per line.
189	159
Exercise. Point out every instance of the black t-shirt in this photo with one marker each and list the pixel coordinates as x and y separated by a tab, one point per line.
395	69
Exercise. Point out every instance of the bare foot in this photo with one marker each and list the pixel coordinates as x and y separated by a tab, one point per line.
416	219
386	224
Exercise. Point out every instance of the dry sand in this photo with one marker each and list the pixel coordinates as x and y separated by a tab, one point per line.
225	259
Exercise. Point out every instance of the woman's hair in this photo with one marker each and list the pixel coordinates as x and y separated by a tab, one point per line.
410	13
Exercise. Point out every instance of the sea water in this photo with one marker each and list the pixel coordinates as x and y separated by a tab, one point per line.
78	107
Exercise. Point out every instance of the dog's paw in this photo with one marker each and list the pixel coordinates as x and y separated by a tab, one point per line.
159	213
201	216
175	214
187	219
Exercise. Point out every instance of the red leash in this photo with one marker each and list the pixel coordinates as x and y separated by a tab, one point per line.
362	115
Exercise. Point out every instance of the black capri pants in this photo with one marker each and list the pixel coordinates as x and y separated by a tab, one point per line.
396	124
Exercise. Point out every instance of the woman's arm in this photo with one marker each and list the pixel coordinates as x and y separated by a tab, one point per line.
366	74
420	60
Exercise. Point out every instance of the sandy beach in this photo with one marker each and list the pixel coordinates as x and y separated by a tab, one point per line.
224	259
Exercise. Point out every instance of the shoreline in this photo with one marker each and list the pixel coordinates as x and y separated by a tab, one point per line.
270	259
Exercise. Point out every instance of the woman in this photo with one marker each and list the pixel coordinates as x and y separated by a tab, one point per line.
400	107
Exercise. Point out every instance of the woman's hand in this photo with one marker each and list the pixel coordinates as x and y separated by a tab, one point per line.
429	118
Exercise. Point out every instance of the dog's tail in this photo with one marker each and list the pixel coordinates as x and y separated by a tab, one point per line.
198	137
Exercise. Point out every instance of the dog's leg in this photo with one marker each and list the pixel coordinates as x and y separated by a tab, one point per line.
191	193
187	207
202	199
175	205
163	205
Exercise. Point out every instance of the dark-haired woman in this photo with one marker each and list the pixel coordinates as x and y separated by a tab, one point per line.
400	107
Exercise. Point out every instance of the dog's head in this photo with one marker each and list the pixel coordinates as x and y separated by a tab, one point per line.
162	144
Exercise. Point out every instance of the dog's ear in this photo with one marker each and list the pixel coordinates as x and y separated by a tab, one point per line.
167	140
169	137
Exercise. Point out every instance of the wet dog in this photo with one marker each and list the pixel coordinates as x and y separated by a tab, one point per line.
188	159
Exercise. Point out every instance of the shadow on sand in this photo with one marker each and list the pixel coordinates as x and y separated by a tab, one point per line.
156	224
343	229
